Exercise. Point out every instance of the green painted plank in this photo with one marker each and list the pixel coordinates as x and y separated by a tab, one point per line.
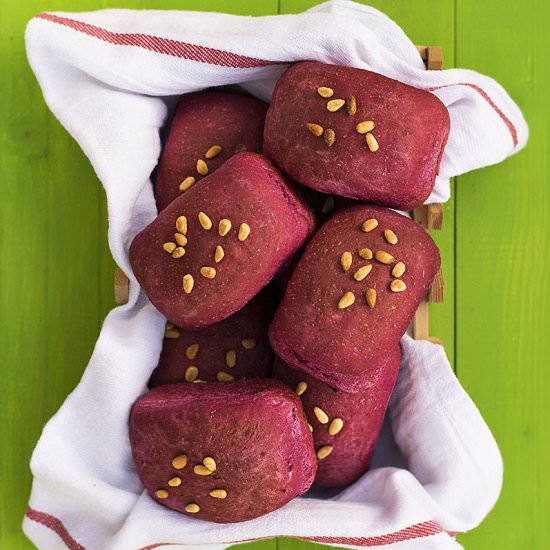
56	276
503	314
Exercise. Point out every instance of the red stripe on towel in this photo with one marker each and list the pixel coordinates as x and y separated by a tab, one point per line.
56	525
167	46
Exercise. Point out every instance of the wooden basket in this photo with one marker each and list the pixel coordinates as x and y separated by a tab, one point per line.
429	216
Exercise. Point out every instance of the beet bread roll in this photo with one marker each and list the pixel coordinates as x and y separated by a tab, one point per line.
356	133
234	348
222	452
217	245
207	129
345	425
353	294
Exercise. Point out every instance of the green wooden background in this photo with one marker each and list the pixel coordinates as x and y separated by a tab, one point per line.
56	272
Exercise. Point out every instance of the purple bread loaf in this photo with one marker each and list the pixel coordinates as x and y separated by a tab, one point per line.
356	133
353	294
217	245
345	425
234	348
222	452
209	126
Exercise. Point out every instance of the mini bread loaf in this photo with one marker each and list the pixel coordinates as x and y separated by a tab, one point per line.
353	294
235	348
345	426
356	133
217	245
207	129
222	452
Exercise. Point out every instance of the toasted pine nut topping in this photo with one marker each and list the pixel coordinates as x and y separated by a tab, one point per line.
362	272
218	493
202	167
219	254
222	376
179	462
301	387
365	126
205	221
369	225
336	426
169	247
210	463
224	227
390	236
323	452
230	358
191	373
188	283
193	508
370	295
181	225
208	272
180	239
346	300
383	257
365	253
212	152
398	269
187	183
325	92
175	481
321	415
178	252
397	285
335	104
345	260
161	493
192	351
315	129
244	232
248	343
371	142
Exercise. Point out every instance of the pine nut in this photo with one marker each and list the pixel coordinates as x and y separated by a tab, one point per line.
214	151
370	295
321	415
365	253
218	493
199	381
301	387
315	129
329	136
334	104
175	481
208	272
180	239
219	254
231	358
178	252
188	283
191	373
224	227
365	126
328	206
187	183
169	325
397	285
169	247
202	470
346	300
179	462
310	427
205	221
181	225
336	426
244	231
323	452
192	351
210	463
390	236
371	142
248	343
398	269
222	376
172	333
202	167
369	225
351	105
325	92
383	257
193	508
362	272
345	260
161	493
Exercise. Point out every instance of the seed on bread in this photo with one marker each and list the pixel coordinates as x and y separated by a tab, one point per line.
180	239
222	376
345	260
210	463
218	493
179	462
368	225
219	254
181	225
224	227
248	343
244	232
321	415
188	283
301	387
212	152
346	300
336	426
169	247
161	493
192	508
316	129
390	236
231	358
191	373
205	221
335	104
174	482
362	272
372	143
365	126
187	183
208	272
202	167
365	253
329	137
178	252
324	451
370	296
351	105
383	257
398	269
397	285
325	92
192	351
202	470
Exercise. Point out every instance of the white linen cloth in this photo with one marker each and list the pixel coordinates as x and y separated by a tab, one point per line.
109	77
